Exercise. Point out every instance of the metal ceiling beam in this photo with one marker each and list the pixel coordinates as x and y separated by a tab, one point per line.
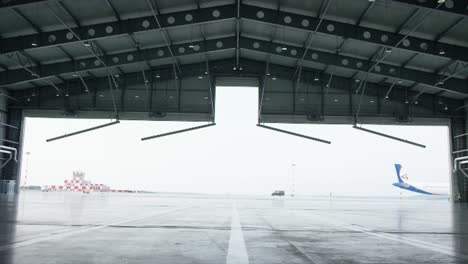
29	21
153	5
449	29
9	4
255	69
18	76
115	29
358	64
114	10
364	13
69	13
358	23
215	45
454	7
407	20
308	43
349	30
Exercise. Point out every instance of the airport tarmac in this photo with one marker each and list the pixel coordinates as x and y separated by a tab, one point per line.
45	228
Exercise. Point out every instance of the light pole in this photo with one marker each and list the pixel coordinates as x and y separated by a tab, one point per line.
26	171
293	183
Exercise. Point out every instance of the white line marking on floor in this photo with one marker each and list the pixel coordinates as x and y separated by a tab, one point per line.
237	253
409	241
397	238
82	230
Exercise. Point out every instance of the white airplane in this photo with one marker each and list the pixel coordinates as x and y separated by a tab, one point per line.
426	188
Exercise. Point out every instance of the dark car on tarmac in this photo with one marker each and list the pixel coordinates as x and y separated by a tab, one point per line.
278	193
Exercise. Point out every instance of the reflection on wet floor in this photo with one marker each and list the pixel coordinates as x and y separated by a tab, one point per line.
148	228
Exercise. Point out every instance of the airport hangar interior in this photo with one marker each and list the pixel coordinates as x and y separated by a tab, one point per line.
399	62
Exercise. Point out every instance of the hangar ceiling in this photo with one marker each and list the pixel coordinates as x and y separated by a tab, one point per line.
315	58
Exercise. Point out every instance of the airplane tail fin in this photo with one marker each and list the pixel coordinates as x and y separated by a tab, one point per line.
398	170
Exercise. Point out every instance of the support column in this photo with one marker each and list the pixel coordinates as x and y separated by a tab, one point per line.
458	127
10	135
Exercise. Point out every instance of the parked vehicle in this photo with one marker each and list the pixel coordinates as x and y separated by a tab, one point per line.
278	193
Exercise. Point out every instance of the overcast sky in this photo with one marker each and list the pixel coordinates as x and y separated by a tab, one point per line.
235	156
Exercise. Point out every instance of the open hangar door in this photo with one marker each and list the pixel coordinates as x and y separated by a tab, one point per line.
319	98
316	98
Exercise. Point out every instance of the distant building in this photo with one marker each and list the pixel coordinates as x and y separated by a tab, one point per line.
77	184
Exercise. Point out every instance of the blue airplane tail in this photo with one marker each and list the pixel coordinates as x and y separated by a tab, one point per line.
398	171
404	185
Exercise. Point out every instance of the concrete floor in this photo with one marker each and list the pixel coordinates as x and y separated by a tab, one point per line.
128	228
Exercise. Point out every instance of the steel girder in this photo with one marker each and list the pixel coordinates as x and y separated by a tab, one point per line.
457	7
222	68
112	60
12	77
119	28
357	64
13	3
452	6
351	31
265	15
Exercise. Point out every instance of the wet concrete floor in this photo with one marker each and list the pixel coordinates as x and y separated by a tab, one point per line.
49	228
